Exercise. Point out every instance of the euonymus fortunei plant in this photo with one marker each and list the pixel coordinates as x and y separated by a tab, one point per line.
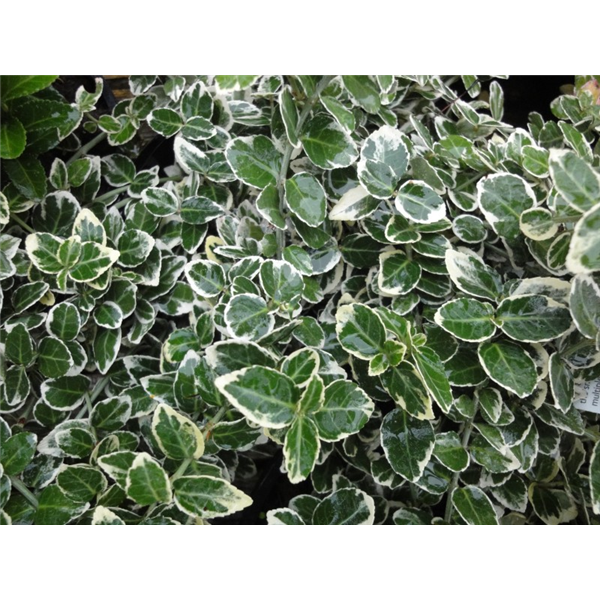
371	287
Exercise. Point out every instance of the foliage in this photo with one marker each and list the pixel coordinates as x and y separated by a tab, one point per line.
372	283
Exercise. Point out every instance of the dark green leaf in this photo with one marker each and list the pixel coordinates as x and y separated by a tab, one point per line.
407	442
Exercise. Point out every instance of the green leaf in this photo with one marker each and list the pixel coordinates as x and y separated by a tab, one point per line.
343	115
471	275
205	277
512	494
306	198
398	274
19	345
134	247
474	506
89	228
265	396
289	115
364	90
327	145
54	358
198	128
538	224
313	396
552	506
595	479
510	366
56	508
417	202
13	138
198	210
469	229
406	387
94	260
106	347
561	382
450	452
207	497
281	281
407	443
301	448
18	86
105	516
235	435
360	330
235	83
111	414
64	393
28	176
117	464
81	483
467	319
160	202
432	372
255	160
247	317
165	121
535	161
344	412
189	157
355	204
284	516
347	506
147	482
17	452
267	204
383	161
43	249
502	198
584	249
577	182
533	318
301	365
28	294
4	209
178	437
230	355
585	304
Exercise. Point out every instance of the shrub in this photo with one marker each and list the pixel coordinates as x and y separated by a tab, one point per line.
371	288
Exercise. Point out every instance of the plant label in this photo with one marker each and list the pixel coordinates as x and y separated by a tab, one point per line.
589	396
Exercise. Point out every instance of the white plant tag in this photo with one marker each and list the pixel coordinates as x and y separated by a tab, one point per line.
589	396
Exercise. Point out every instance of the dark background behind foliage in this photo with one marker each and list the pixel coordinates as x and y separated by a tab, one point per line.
526	93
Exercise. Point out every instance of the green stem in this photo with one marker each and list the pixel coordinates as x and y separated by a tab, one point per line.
112	193
454	483
87	147
21	487
287	155
22	223
567	219
89	401
592	435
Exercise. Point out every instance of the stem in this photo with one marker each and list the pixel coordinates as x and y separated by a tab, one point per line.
89	401
87	147
454	483
287	155
22	223
19	485
112	193
567	219
592	435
